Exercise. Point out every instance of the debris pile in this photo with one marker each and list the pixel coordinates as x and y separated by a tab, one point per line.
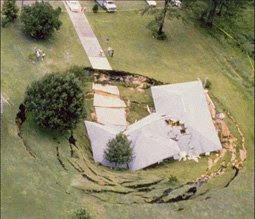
140	83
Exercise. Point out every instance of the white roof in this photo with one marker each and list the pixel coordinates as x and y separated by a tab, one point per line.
99	136
187	102
154	138
151	142
149	136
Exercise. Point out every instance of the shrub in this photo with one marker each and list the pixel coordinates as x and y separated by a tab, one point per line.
207	84
81	214
119	150
172	179
40	20
95	8
9	11
56	101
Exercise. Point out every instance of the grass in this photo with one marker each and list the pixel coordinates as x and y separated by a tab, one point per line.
138	102
41	188
235	32
30	186
188	54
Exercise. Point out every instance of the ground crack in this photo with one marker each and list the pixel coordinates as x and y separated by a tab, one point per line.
59	159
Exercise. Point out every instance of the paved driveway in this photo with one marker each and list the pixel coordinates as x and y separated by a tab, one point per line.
88	40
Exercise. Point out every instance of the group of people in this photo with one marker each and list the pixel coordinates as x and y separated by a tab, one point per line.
110	50
39	54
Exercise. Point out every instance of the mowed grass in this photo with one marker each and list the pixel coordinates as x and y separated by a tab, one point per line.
188	54
40	188
34	188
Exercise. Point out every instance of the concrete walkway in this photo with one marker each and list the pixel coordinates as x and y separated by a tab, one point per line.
88	40
110	109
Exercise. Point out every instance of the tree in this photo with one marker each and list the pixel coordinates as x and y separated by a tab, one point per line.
215	8
119	150
40	20
56	101
170	9
209	13
9	11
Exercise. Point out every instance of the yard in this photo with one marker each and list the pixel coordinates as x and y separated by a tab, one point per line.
39	187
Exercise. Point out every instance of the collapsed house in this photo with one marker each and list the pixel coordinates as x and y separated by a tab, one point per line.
181	126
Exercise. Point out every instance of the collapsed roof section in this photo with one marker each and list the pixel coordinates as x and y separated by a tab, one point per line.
181	125
186	103
149	136
150	141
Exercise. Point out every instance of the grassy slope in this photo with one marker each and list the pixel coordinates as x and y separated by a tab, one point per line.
34	188
188	54
40	188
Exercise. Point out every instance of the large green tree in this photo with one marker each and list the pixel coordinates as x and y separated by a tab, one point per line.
56	101
9	11
119	150
40	20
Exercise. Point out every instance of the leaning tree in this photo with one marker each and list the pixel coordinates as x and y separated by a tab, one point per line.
119	150
56	101
40	20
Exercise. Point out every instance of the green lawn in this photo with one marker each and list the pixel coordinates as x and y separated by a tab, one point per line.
34	188
41	188
188	54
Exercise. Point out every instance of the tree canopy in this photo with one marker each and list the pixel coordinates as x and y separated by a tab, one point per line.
119	150
9	11
40	20
218	8
56	101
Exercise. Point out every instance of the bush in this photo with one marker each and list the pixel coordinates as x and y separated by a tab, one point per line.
9	11
81	214
95	8
172	179
207	84
40	20
119	150
56	101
